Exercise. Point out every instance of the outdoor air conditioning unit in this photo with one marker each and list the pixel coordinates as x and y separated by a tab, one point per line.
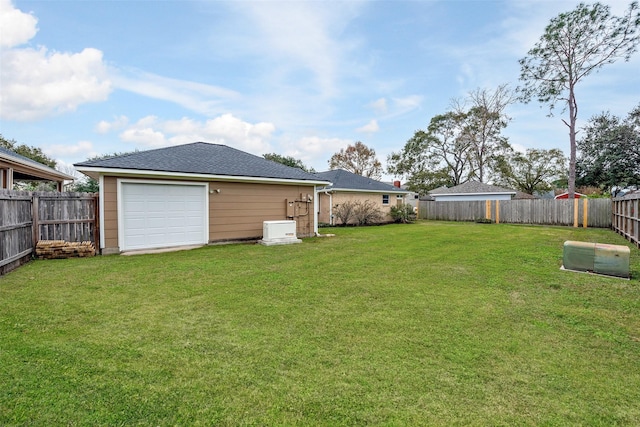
279	233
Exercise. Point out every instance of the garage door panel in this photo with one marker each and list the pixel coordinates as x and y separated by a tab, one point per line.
162	215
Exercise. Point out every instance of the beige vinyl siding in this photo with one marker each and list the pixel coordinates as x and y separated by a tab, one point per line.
237	212
110	219
239	209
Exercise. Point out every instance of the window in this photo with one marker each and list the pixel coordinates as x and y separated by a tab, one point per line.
385	199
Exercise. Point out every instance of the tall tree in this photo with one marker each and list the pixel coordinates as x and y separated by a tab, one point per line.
609	152
33	153
534	171
485	120
439	156
288	161
574	45
359	159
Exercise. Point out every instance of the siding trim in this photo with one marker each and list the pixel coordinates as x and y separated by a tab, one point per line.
101	209
134	173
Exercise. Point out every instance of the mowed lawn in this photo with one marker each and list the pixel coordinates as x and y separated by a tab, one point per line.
432	323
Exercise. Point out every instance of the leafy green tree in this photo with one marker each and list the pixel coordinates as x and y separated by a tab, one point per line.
358	159
439	156
288	161
609	152
33	153
534	171
573	45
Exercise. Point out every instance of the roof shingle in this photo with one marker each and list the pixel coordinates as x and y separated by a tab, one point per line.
201	158
345	180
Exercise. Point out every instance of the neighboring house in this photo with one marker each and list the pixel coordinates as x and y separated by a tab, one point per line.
411	198
15	167
472	190
520	195
196	194
350	187
565	195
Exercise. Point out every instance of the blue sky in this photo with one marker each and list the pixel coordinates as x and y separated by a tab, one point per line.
298	78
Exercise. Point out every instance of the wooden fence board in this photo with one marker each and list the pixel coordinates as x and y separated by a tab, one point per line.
537	211
26	217
626	217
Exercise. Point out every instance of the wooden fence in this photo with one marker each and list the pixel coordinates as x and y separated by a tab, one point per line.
626	217
26	217
578	212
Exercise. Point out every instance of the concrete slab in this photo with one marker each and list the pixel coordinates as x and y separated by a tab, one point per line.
160	250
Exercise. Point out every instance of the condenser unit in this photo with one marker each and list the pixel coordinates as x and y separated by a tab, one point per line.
279	233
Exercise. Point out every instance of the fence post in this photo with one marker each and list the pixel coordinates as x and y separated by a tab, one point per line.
497	211
487	209
575	212
34	219
585	213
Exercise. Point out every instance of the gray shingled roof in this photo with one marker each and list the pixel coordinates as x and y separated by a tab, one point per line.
202	158
345	180
471	187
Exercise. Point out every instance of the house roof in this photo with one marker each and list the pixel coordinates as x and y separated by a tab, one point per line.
471	187
343	180
30	169
197	158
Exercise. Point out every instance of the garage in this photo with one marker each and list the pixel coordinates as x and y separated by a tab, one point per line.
162	214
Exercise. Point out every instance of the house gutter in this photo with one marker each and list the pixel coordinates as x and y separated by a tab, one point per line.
94	172
327	192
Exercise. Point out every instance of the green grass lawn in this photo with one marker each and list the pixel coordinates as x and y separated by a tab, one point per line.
432	323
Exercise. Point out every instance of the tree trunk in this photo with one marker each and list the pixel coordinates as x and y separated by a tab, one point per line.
573	113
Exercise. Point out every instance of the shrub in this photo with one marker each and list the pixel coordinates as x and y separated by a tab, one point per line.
403	213
344	212
367	212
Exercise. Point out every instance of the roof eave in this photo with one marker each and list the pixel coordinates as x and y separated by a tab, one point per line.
36	166
360	190
95	172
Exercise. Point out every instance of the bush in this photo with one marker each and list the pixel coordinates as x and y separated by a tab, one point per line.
359	213
344	212
367	213
403	213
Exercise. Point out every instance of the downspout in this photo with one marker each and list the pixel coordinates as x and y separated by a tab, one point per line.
327	191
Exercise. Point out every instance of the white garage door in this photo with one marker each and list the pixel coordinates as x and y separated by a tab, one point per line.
162	215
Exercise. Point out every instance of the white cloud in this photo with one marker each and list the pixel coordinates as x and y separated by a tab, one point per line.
201	98
370	127
379	105
17	27
313	150
408	103
147	137
37	83
82	149
151	132
118	123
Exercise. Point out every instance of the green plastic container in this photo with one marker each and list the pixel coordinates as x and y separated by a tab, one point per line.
579	256
611	260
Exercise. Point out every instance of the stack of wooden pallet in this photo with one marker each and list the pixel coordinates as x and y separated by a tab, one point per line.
60	249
